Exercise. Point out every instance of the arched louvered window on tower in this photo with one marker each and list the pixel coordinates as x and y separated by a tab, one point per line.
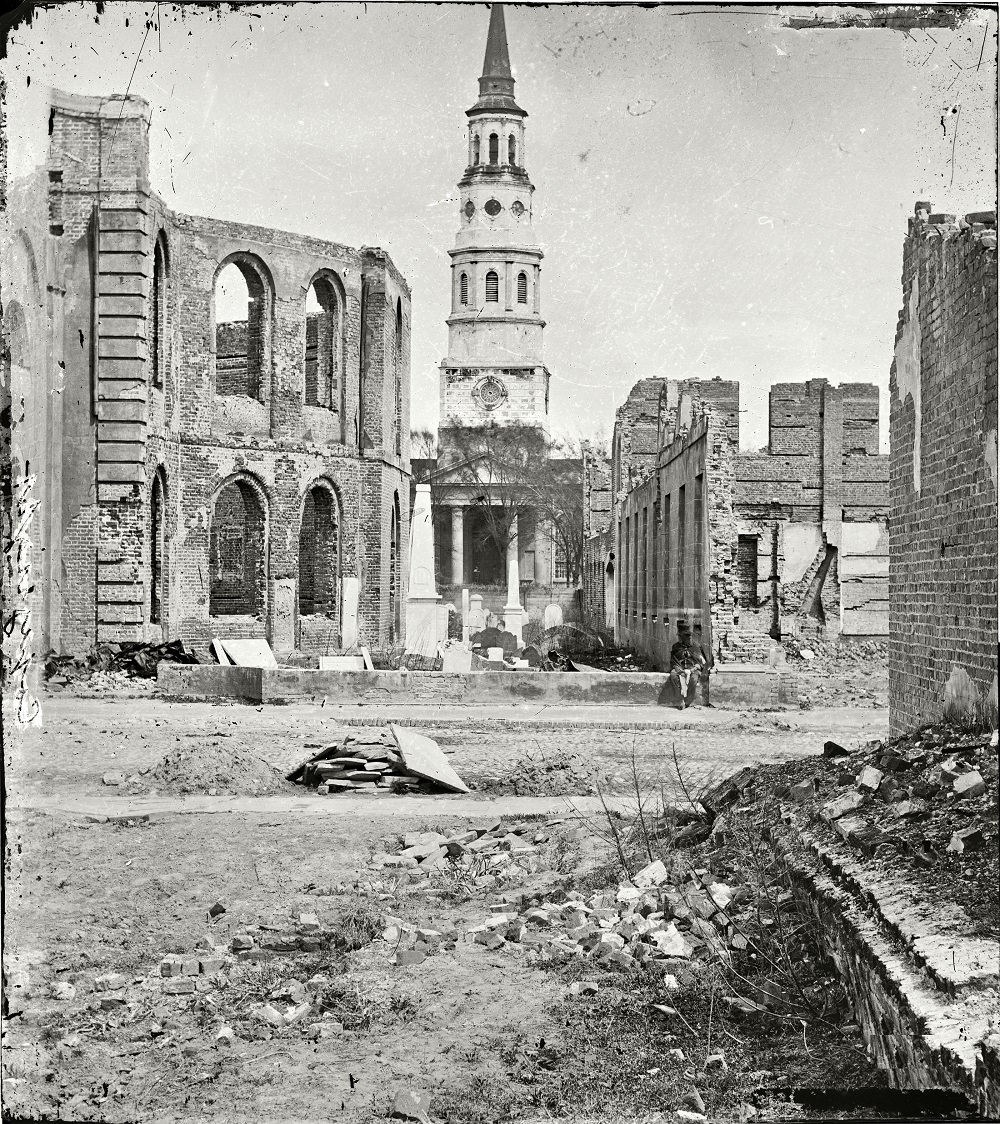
511	150
494	148
492	286
475	149
463	289
522	288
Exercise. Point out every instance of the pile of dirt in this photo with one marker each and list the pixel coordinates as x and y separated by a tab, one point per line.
555	774
213	770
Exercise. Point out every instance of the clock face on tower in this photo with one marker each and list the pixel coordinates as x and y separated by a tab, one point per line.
490	392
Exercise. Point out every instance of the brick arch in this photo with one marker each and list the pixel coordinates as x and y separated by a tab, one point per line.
320	559
324	341
238	548
243	357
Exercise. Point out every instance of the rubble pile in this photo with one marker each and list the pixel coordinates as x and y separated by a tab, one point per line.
834	673
492	856
113	665
926	801
654	921
556	774
378	758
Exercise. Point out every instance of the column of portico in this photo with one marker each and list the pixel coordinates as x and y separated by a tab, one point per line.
458	545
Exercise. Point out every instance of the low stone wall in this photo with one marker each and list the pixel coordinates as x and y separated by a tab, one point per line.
923	993
734	685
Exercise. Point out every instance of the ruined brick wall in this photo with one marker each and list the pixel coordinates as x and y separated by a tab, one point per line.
943	474
817	503
598	503
783	530
157	401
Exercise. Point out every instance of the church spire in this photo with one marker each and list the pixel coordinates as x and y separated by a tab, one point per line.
496	86
496	64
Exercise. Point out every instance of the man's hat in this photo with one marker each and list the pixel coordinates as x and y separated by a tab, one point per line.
683	626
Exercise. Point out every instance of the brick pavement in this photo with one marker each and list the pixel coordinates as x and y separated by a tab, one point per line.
84	738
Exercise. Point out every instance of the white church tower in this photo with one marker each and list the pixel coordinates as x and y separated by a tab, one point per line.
494	369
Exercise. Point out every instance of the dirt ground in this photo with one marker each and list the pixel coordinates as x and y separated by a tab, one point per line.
489	1034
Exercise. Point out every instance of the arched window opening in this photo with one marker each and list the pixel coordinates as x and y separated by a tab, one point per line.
158	311
511	150
463	288
395	562
319	554
322	385
475	149
156	549
236	553
492	286
522	288
241	312
494	148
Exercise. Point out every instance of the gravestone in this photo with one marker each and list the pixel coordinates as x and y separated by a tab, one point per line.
349	614
250	653
509	643
553	616
476	617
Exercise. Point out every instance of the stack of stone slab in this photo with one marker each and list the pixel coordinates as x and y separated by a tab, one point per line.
383	757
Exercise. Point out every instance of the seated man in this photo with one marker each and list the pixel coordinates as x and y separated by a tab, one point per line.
687	664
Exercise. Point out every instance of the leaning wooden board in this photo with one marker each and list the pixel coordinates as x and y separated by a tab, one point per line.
423	758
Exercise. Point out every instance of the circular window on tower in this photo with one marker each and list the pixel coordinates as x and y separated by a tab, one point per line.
470	209
517	207
493	208
491	392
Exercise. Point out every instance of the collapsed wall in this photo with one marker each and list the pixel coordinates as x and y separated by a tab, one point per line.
943	474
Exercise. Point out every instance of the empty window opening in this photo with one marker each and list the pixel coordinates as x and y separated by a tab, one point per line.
157	312
494	148
492	286
463	289
322	386
522	288
681	546
156	550
240	330
475	149
319	554
395	558
511	150
236	553
746	571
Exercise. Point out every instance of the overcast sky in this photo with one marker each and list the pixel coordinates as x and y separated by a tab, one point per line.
717	193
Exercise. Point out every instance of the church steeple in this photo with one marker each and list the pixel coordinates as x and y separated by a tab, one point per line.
494	367
496	85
